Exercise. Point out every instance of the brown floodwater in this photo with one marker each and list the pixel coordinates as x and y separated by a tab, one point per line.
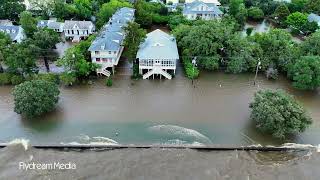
213	110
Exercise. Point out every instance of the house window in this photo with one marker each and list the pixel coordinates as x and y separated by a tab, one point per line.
98	59
109	52
97	52
72	31
115	52
105	60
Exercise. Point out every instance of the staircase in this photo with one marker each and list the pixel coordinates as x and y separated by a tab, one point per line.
157	70
103	71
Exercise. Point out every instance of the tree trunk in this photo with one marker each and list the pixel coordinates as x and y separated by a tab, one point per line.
1	68
46	63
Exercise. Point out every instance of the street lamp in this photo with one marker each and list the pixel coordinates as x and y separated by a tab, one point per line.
194	63
258	66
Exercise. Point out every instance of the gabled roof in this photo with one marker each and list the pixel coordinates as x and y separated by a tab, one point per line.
80	24
12	31
158	45
190	8
314	18
107	42
42	23
55	25
5	22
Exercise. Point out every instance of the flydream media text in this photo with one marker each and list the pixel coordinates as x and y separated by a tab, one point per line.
47	166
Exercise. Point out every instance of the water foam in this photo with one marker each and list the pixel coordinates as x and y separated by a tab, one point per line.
87	140
180	132
24	142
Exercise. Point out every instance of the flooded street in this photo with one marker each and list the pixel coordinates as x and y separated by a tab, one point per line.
155	111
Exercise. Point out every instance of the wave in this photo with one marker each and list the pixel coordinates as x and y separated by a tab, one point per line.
180	132
24	142
87	140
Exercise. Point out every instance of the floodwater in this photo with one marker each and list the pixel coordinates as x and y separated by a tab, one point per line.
212	111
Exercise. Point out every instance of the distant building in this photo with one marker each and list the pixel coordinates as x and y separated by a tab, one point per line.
314	18
199	9
107	48
158	55
215	2
51	24
77	30
16	33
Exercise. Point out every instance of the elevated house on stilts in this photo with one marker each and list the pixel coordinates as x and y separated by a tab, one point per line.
158	55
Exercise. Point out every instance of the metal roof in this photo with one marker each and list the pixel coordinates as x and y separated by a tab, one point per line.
158	45
314	18
12	31
190	8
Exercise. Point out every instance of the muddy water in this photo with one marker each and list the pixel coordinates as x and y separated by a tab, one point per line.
214	110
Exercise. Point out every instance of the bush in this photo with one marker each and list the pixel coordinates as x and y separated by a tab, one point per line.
249	31
191	72
16	79
109	82
255	13
68	79
5	78
272	73
33	98
48	77
278	113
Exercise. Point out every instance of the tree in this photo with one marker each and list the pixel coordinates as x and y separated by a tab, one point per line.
45	40
255	13
297	21
278	113
175	20
312	6
278	49
297	5
306	73
311	45
206	41
28	23
33	98
84	9
107	10
234	7
44	6
5	40
21	58
10	9
281	14
134	37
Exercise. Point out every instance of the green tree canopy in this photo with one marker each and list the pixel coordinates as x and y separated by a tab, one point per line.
312	6
278	49
107	10
306	73
21	58
278	113
297	21
28	23
134	37
311	46
45	40
33	98
5	40
10	9
281	14
255	13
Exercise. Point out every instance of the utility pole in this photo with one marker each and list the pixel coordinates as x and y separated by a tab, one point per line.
255	78
194	63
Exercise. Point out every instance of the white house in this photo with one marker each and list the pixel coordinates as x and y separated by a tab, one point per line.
51	24
216	2
314	18
16	33
199	9
107	48
77	30
158	55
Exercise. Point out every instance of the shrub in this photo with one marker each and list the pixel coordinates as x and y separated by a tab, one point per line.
109	82
255	13
191	71
16	79
278	113
272	73
249	31
33	98
68	79
48	77
5	78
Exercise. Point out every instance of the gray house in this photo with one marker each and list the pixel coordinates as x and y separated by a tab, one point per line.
51	24
314	18
16	33
107	48
158	55
77	30
199	9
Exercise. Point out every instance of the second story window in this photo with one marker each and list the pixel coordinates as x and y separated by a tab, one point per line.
96	52
109	52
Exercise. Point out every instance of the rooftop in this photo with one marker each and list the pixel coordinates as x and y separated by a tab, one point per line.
158	45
